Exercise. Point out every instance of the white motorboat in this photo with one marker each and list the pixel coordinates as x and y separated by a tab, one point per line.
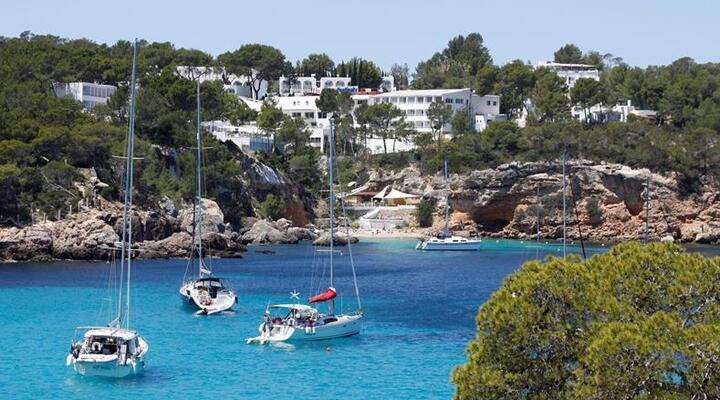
446	240
209	294
304	322
109	352
116	350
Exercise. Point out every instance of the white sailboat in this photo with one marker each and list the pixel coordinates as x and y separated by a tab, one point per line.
304	322
115	350
446	240
204	291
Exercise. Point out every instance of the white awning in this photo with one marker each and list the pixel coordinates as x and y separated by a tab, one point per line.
396	194
382	193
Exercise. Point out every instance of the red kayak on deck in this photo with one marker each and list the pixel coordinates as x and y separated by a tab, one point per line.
329	294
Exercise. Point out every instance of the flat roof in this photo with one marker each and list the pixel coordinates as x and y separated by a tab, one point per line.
421	92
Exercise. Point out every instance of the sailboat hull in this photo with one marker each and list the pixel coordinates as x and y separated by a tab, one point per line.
109	366
109	369
449	244
343	326
223	301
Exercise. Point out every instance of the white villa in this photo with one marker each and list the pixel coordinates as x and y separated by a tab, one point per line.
89	94
571	72
309	85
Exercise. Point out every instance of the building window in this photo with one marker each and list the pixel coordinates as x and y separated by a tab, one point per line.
488	102
403	100
411	99
449	101
410	112
494	103
428	99
309	115
420	99
458	101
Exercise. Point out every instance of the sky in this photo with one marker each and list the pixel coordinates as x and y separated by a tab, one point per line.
388	31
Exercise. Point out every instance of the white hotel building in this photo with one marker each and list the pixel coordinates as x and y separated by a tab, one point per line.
571	72
415	104
89	94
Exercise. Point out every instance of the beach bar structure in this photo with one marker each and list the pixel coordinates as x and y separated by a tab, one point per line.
394	197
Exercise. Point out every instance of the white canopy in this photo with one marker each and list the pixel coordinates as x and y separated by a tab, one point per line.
396	194
382	193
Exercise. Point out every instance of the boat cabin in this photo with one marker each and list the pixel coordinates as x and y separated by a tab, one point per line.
109	341
212	285
299	314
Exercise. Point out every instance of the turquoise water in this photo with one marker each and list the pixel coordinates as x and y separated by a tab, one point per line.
419	307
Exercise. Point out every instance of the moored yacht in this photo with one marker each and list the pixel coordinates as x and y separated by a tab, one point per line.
209	294
304	322
109	352
446	240
116	350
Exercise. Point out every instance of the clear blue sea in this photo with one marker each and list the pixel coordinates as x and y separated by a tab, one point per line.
419	308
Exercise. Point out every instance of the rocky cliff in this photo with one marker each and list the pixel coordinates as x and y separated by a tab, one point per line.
606	202
92	233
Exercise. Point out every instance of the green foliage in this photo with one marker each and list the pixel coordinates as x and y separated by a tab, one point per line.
636	322
387	121
319	65
362	73
568	54
327	102
424	212
456	66
256	62
549	97
272	208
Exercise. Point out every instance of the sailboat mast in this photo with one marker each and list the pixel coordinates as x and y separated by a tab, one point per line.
331	199
126	252
564	196
647	209
447	202
197	229
537	213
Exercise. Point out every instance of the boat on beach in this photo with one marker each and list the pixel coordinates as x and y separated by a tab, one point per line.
115	350
202	290
305	322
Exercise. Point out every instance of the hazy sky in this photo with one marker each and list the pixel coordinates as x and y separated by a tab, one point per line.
388	31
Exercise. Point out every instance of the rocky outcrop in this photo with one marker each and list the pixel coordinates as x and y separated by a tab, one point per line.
340	239
605	201
281	231
92	234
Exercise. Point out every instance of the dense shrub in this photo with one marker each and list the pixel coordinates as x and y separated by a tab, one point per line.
636	322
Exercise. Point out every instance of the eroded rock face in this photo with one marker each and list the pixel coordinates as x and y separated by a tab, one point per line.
91	234
340	239
608	200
